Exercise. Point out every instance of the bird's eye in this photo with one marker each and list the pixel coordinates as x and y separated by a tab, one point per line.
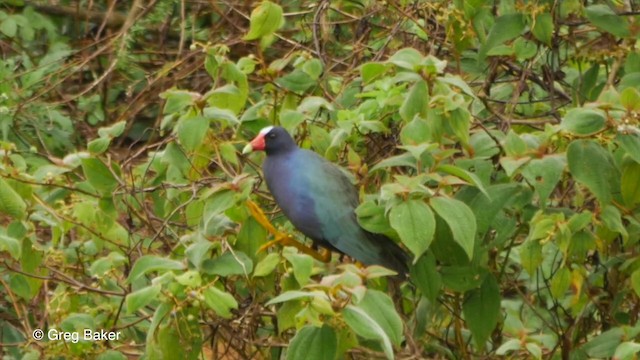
272	135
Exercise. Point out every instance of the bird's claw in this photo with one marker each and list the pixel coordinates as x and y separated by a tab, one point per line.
282	238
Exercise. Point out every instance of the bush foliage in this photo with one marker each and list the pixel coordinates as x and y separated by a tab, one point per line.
497	141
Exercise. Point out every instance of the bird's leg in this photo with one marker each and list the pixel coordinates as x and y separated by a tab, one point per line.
282	238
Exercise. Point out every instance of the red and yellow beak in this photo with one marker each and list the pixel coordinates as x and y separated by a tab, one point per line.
258	143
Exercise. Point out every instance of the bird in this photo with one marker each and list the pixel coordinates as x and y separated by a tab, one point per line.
320	201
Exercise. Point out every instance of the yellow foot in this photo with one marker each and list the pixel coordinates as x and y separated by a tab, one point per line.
282	238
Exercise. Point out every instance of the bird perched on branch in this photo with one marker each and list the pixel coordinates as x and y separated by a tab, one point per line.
320	201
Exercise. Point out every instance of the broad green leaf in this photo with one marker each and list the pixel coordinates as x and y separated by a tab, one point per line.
313	343
612	219
365	326
581	121
220	301
265	20
462	278
313	67
465	175
630	99
604	18
627	351
371	71
11	245
229	263
415	132
407	58
267	265
295	295
560	282
425	275
505	28
189	278
631	144
99	175
302	266
98	146
544	174
142	297
380	308
415	224
481	309
148	263
112	131
177	100
543	28
297	81
592	166
11	202
605	344
191	131
630	184
460	219
372	218
110	355
531	256
416	102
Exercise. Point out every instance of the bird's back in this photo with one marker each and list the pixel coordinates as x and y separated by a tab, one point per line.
320	201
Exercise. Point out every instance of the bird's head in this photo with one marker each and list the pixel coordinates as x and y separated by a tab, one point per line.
271	139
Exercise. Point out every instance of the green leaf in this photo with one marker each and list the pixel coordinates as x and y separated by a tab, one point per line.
630	99
191	131
544	174
592	166
371	71
543	28
631	144
481	310
465	175
236	263
627	351
297	81
407	58
313	343
416	102
505	28
630	184
148	263
265	20
415	224
381	309
142	297
363	325
11	202
99	175
313	67
267	265
531	256
110	355
425	275
99	145
9	26
560	283
295	295
581	121
112	131
177	100
460	219
11	245
612	219
607	20
220	301
302	266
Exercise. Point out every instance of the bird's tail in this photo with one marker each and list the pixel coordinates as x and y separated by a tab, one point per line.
391	255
